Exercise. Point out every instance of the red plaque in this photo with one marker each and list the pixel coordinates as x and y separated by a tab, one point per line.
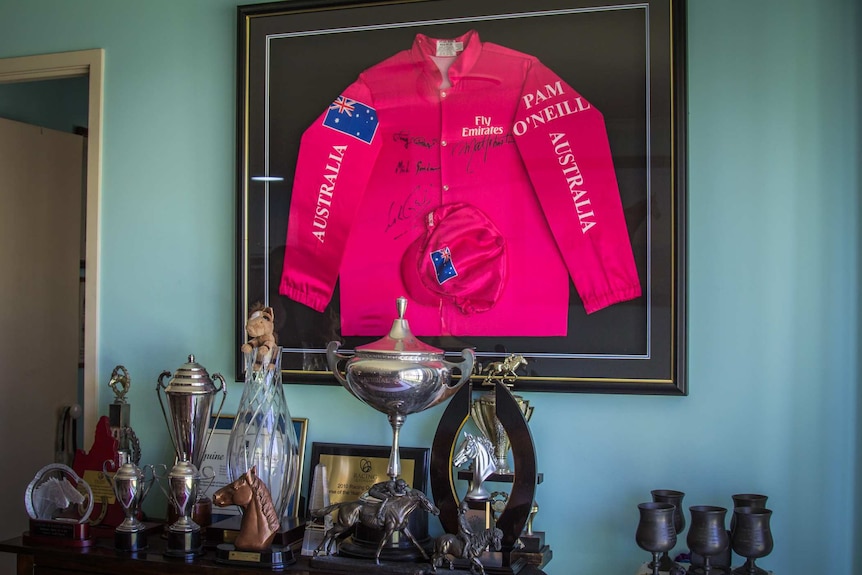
88	465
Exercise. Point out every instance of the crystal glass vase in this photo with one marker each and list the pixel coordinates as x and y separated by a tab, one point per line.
263	435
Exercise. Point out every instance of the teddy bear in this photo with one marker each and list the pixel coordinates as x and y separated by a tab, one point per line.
261	333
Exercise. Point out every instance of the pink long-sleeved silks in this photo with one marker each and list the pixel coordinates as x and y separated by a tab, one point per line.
468	177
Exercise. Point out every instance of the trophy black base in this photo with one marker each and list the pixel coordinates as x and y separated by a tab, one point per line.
367	566
184	544
59	533
226	530
130	540
537	559
532	542
516	562
400	550
275	558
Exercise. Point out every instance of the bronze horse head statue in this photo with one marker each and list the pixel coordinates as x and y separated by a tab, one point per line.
260	521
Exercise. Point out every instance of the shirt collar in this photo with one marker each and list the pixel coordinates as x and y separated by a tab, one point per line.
425	47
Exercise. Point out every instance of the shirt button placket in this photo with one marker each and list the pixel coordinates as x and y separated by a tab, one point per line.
444	144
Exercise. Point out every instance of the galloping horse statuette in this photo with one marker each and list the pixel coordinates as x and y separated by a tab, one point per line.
365	511
504	371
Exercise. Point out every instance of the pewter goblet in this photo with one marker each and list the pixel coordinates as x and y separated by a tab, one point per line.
753	500
675	499
707	535
751	538
655	532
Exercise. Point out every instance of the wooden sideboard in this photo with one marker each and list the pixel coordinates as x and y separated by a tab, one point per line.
102	559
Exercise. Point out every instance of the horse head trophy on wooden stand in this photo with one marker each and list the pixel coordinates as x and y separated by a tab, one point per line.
502	418
260	523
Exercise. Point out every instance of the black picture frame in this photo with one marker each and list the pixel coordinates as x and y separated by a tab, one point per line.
627	57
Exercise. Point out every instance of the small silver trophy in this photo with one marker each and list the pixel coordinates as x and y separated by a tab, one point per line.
130	486
184	535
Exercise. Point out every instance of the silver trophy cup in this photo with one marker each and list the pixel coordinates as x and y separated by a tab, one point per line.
130	486
190	394
184	535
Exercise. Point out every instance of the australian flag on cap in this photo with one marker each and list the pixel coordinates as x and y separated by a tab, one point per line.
352	118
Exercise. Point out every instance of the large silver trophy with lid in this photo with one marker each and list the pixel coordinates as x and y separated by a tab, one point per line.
190	394
399	375
396	375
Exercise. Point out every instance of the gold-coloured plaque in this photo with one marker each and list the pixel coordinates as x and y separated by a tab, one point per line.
352	469
246	556
100	486
349	476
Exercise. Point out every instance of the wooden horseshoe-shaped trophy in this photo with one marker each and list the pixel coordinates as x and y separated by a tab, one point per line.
519	506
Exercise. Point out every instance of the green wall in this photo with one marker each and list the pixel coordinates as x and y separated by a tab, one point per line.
774	260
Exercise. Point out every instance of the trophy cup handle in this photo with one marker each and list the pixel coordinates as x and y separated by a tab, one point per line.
160	387
207	477
147	484
465	366
108	477
222	388
333	358
158	478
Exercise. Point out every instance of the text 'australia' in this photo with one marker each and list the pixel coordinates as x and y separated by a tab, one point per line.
575	181
325	192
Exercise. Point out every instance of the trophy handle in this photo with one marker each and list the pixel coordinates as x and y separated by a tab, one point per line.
108	477
160	386
204	478
466	367
159	478
222	388
332	358
147	484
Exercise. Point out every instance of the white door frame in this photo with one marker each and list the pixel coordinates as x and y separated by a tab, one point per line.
88	63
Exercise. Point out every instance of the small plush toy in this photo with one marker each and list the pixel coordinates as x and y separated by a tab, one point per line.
261	333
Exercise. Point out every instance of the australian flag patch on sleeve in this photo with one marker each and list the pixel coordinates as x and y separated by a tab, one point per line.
352	118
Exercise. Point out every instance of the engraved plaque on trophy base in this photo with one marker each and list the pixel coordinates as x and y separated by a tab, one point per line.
274	558
61	533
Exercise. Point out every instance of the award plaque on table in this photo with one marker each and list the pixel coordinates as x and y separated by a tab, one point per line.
59	504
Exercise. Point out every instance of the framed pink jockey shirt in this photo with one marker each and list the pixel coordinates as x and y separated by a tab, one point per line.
515	173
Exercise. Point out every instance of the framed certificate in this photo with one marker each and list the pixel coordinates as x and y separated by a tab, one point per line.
216	458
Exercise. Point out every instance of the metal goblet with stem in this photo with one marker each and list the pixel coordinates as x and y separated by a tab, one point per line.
674	498
707	535
753	500
656	532
751	538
